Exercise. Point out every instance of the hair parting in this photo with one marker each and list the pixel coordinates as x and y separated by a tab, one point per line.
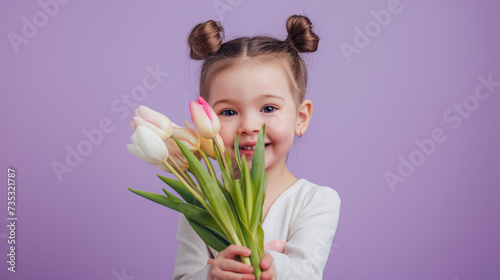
206	43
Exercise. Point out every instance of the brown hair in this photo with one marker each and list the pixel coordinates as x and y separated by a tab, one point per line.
206	44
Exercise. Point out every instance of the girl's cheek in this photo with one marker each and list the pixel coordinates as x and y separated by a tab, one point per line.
227	133
279	124
228	140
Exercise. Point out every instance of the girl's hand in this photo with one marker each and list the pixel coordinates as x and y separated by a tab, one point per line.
269	270
224	266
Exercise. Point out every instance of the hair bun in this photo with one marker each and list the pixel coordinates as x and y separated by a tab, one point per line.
205	39
300	34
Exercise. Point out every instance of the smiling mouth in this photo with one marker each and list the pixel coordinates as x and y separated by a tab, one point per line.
251	148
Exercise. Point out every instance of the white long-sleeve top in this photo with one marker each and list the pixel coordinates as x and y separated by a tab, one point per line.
305	216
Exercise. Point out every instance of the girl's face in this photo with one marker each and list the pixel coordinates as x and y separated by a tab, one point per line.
247	96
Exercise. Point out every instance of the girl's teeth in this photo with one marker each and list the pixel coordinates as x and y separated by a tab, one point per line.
252	148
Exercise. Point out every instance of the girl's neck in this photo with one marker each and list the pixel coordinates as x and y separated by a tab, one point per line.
278	181
279	178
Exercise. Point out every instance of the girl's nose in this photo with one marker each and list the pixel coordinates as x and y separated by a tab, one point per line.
250	124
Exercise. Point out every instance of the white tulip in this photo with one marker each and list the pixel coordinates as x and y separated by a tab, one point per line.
148	146
156	121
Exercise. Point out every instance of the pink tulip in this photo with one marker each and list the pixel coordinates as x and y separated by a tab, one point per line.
206	144
204	118
157	122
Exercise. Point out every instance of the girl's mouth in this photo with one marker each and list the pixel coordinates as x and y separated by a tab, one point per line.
249	149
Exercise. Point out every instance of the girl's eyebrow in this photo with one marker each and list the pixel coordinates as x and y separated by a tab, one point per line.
228	100
271	96
225	100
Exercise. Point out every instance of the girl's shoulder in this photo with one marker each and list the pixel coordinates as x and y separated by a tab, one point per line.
305	192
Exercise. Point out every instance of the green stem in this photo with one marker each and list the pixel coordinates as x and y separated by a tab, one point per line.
223	223
179	170
220	150
208	164
199	198
253	260
190	179
188	186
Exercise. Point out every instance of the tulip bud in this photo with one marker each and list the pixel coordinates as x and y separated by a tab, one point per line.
204	118
157	122
176	155
186	135
208	147
148	146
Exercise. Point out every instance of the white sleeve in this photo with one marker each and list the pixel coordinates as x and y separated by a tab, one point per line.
310	238
192	253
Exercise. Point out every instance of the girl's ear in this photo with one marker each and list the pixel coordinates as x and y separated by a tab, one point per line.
303	117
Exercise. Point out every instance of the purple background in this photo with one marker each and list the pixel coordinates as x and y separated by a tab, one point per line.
442	222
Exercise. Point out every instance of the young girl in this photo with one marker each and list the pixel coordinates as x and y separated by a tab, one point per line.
250	82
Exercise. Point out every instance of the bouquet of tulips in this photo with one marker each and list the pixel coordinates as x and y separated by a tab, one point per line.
221	211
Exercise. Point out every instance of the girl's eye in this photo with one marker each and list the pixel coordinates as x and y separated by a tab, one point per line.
228	113
269	109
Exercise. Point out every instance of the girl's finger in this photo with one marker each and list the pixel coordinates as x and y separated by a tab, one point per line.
235	250
236	266
219	274
266	261
210	261
269	274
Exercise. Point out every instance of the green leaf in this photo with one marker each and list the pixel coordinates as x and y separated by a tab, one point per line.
250	242
228	183
258	164
209	236
240	203
259	179
237	153
209	165
209	187
235	194
247	187
190	211
257	210
173	197
231	205
259	240
179	188
229	164
225	178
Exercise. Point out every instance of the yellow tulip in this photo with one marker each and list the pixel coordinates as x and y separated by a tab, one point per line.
208	147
